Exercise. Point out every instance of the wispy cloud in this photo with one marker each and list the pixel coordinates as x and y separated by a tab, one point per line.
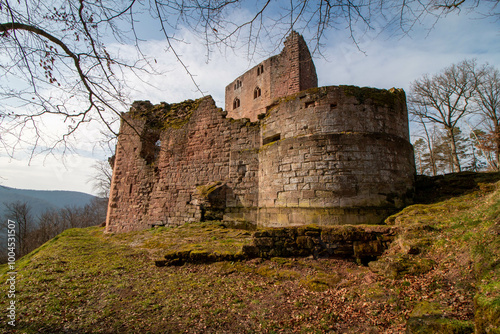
382	60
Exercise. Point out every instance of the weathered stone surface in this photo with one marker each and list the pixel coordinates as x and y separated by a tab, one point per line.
324	156
366	243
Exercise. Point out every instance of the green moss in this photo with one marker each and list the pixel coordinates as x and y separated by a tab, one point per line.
321	282
389	98
164	115
487	304
397	266
207	189
426	308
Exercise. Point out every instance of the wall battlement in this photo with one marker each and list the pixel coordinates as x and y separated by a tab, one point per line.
327	156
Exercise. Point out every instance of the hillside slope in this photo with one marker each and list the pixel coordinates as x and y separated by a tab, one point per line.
41	200
440	275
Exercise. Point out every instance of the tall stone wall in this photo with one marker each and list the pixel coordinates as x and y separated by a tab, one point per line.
172	170
293	71
335	155
328	156
285	74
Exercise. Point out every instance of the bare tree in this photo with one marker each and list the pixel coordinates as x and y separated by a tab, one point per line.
55	63
444	99
426	143
32	232
49	225
20	213
101	178
487	97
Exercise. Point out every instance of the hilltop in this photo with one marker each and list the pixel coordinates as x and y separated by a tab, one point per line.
41	200
440	274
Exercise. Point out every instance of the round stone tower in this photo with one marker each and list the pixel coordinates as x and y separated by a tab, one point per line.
335	155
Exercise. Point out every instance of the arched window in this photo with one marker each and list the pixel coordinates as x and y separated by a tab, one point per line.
237	84
260	69
256	92
236	103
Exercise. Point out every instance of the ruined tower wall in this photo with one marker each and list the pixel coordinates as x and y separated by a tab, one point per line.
285	74
329	155
335	155
293	70
245	89
130	185
170	186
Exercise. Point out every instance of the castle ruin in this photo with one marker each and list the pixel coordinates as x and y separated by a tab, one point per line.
283	153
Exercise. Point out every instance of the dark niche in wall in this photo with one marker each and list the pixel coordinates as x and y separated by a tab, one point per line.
151	146
271	139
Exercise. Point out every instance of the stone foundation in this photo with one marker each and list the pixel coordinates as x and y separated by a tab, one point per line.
363	243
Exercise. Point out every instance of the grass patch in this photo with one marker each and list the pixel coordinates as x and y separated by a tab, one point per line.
85	281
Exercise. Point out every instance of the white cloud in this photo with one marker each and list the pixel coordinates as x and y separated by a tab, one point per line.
48	173
396	62
386	62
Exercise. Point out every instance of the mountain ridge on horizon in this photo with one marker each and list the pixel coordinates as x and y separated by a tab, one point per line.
42	200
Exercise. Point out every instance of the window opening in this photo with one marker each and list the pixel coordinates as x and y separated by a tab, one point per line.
256	92
260	69
151	145
271	139
236	103
310	104
157	149
237	84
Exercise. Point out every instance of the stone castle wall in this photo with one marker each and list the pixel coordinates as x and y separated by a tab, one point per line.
203	152
282	75
320	164
307	161
294	154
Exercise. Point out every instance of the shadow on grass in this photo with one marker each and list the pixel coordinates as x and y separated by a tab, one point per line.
432	189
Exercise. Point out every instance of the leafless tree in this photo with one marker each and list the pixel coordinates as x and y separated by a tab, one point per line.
426	143
32	232
101	178
444	99
50	224
20	213
55	62
487	97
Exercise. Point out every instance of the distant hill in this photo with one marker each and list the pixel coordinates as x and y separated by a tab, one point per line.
41	200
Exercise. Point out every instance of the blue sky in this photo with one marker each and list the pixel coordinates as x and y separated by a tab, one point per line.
384	61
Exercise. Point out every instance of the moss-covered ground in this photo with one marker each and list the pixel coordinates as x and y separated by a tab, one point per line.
441	274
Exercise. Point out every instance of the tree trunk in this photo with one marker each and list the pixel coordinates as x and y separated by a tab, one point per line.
431	151
454	154
497	145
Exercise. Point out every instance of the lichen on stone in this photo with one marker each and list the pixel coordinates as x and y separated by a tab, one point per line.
164	115
207	189
389	98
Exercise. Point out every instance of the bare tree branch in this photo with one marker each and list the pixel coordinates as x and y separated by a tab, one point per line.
55	63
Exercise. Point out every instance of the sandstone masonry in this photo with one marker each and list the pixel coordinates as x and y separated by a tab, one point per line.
293	155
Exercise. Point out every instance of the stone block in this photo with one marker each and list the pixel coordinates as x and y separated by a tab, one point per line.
306	242
263	242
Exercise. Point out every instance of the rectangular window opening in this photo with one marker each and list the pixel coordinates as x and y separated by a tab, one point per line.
271	139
